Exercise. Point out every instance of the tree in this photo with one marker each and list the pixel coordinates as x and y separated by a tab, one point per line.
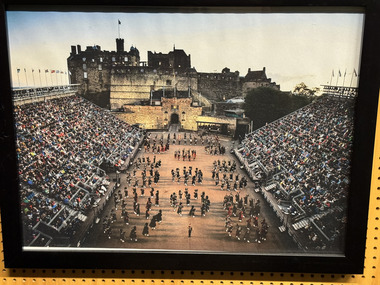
303	89
265	105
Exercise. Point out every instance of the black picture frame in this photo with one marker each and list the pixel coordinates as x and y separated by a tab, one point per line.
364	134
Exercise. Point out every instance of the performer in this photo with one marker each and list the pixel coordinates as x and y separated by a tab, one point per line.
122	235
157	198
159	216
145	231
179	210
190	229
192	211
238	231
153	223
133	235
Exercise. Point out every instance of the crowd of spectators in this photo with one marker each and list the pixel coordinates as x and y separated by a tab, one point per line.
306	155
61	144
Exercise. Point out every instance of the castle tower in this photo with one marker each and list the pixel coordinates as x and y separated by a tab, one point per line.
119	45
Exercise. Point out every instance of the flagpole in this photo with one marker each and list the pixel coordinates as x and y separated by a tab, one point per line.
34	83
18	78
26	77
51	77
46	71
352	76
39	74
344	77
118	26
357	80
337	78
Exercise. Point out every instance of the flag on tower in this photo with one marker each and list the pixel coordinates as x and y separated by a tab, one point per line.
53	71
340	75
46	70
119	22
32	70
18	70
355	73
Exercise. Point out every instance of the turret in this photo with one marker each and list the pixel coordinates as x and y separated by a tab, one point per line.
73	50
119	45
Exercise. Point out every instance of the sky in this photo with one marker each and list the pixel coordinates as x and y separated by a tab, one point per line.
294	47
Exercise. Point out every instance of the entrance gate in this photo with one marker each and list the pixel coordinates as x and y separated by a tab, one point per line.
174	119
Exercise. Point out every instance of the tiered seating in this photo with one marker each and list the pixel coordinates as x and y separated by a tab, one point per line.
305	157
60	146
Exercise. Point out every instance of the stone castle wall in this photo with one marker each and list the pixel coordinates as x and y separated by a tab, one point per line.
219	86
133	86
149	117
247	86
159	117
95	79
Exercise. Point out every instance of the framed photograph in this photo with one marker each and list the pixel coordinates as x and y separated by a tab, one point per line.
195	136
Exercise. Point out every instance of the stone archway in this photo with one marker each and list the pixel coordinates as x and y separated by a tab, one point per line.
174	119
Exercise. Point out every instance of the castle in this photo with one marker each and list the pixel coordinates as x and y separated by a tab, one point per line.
162	91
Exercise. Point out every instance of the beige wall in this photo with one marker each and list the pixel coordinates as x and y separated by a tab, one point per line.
158	117
131	88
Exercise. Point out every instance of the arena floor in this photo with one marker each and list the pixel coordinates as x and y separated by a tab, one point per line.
209	232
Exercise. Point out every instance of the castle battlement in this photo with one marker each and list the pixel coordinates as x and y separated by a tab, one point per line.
114	78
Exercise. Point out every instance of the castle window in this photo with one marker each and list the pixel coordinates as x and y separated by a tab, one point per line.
168	82
93	60
113	58
84	66
84	59
100	67
85	75
101	59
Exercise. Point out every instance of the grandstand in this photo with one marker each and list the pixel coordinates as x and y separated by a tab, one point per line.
63	146
302	161
67	147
